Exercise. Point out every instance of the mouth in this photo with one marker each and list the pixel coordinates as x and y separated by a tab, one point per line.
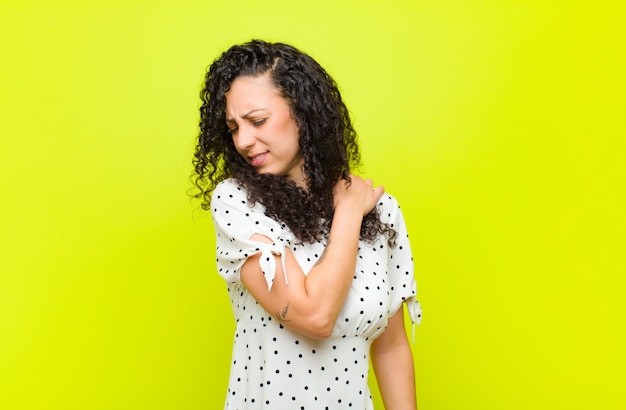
256	160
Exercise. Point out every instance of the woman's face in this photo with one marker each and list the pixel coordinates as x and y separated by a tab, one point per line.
263	131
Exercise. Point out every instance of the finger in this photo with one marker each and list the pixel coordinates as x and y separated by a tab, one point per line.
379	191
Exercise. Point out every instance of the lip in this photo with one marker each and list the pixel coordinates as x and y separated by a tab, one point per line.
257	159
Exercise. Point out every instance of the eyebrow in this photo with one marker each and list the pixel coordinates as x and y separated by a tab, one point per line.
246	115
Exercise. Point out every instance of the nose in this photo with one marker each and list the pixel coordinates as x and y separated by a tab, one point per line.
244	138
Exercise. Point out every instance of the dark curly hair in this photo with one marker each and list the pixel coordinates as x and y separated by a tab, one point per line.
327	140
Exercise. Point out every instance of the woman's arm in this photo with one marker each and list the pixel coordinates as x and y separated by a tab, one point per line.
393	365
311	303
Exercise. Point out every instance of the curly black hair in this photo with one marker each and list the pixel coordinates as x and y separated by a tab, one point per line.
326	137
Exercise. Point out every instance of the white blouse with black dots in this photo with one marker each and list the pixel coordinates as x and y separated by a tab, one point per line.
276	368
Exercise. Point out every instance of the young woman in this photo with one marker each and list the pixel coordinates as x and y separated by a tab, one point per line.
317	261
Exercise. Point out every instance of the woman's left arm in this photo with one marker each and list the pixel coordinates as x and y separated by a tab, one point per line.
393	365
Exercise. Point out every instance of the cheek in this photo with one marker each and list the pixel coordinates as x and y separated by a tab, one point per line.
294	135
293	142
286	135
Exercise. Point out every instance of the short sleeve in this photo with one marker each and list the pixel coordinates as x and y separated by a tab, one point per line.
400	262
235	223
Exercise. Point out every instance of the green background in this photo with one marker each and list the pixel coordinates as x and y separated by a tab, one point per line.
498	125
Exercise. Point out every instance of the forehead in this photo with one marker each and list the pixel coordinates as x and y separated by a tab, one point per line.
249	93
252	86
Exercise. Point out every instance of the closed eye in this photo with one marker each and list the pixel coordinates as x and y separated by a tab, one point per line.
233	128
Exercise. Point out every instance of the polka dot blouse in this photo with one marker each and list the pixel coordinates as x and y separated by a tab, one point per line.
276	368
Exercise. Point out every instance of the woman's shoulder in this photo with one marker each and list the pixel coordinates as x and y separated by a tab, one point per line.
229	192
388	207
228	188
388	201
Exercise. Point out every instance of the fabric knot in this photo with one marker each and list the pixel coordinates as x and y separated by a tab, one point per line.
268	262
415	313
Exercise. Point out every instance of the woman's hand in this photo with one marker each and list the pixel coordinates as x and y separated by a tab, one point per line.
358	194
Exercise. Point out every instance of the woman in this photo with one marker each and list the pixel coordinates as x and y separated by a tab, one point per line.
317	261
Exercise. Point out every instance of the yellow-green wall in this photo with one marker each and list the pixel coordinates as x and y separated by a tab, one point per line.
499	125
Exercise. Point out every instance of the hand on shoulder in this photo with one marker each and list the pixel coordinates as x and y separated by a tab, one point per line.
358	194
